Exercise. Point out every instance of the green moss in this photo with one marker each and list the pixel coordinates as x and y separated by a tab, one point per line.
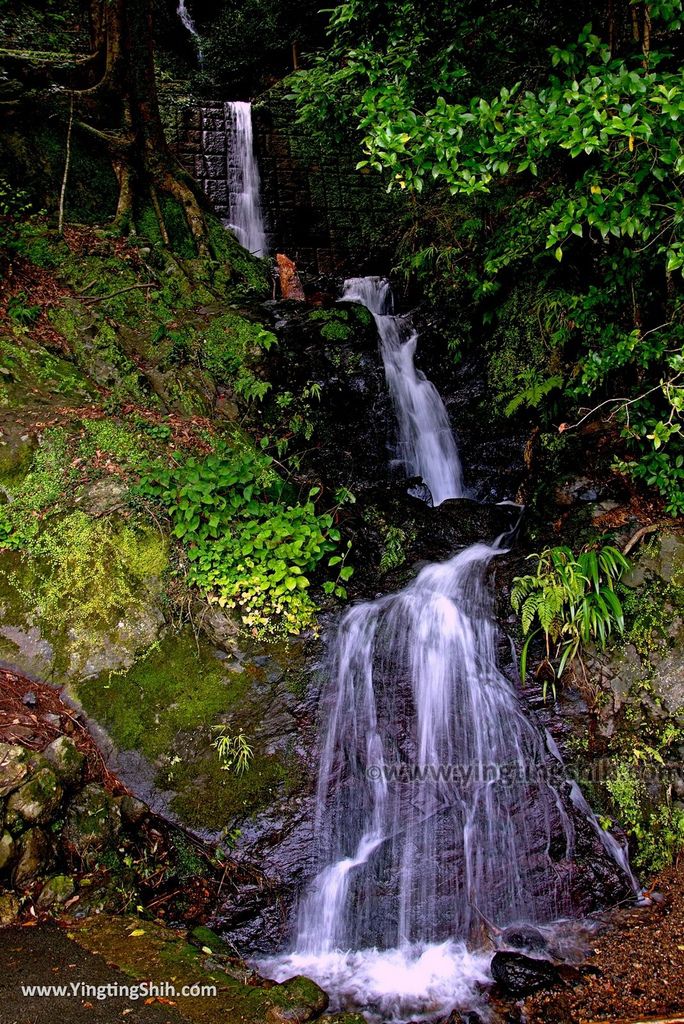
30	372
176	687
234	265
148	950
649	613
85	574
230	352
119	441
227	797
40	490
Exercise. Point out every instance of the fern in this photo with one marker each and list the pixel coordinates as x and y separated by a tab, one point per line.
534	389
572	601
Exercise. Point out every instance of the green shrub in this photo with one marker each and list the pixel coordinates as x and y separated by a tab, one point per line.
248	546
657	829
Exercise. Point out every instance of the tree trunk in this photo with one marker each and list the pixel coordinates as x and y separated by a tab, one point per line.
115	91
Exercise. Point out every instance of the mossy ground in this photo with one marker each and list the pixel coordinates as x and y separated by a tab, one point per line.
149	950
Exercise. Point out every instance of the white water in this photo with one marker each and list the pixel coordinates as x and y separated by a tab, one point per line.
414	981
410	866
185	16
426	443
245	218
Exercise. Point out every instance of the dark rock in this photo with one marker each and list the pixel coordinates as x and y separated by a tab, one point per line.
34	856
93	822
519	975
524	936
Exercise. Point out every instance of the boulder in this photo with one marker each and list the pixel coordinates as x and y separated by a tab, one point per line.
133	811
38	799
7	849
93	822
68	761
524	936
56	890
299	1000
13	767
34	855
518	975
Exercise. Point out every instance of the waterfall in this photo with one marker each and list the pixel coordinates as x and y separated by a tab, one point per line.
245	216
439	803
188	23
426	443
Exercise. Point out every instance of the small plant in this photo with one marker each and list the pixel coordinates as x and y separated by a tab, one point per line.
572	601
250	544
235	752
656	828
21	312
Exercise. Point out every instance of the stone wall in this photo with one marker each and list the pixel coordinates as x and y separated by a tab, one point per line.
320	211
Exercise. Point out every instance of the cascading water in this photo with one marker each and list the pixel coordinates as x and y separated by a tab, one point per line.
426	443
188	23
439	803
245	217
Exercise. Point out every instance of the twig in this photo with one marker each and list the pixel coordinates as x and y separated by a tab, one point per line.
642	532
130	288
67	161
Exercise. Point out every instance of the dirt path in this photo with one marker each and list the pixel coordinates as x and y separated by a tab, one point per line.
44	955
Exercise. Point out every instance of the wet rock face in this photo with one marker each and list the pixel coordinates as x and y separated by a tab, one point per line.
336	349
491	448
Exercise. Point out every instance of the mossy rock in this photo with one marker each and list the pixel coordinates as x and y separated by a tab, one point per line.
9	909
13	767
298	1000
67	760
93	822
7	850
57	890
167	707
88	600
38	799
34	856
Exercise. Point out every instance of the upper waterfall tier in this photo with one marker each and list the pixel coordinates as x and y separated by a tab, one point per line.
245	217
426	445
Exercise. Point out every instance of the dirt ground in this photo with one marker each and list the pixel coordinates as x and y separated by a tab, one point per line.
638	963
